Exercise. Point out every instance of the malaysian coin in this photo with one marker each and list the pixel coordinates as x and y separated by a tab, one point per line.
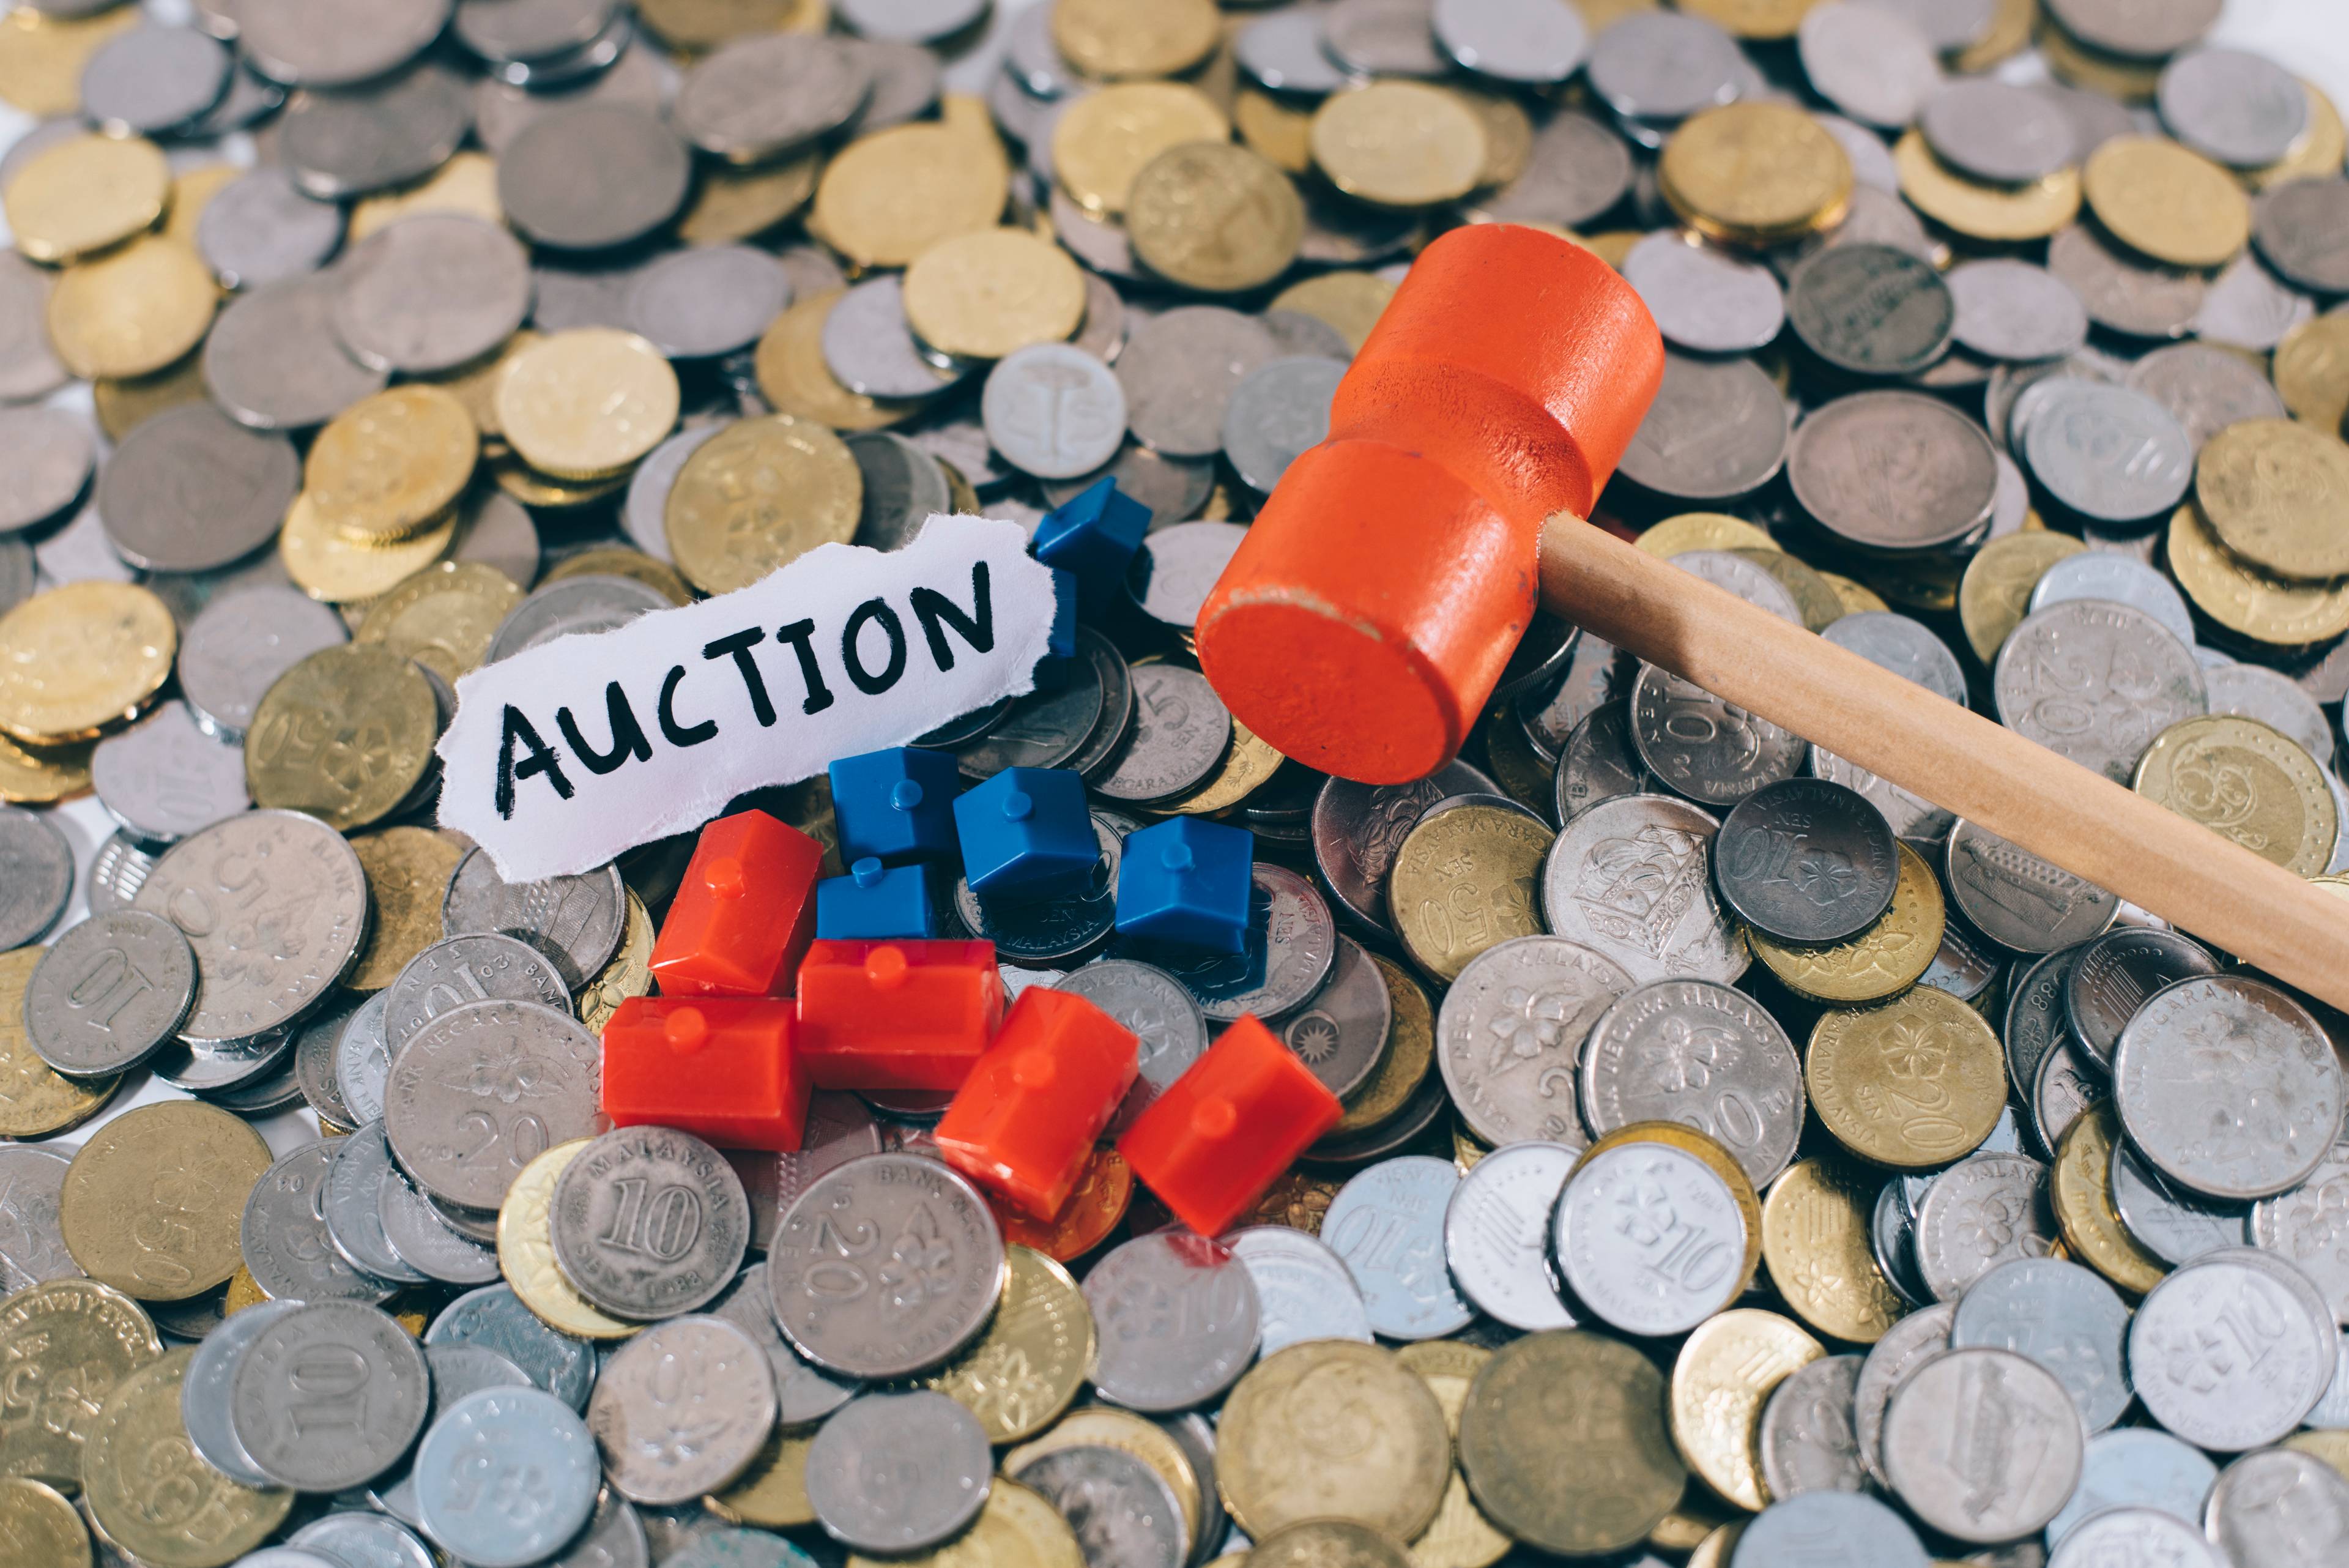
1913	1084
759	496
431	293
2172	1223
1357	828
483	1448
1806	1442
109	993
376	1538
458	1371
1177	566
80	658
2081	1192
1648	1281
1118	1509
238	645
2019	901
31	1250
407	870
358	1167
40	1519
496	1319
457	971
2222	1409
1792	1530
1036	1354
1566	1507
1705	301
2281	1506
2137	1469
1280	1458
649	1223
1924	1454
1049	930
1979	1213
2132	1535
1717	429
379	1381
74	1341
1511	1028
1904	646
526	1252
297	758
1699	1053
583	606
1304	1290
1153	1362
2060	1315
2099	645
1181	730
1464	878
1404	1283
2282	809
1163	1016
574	922
164	778
1705	748
484	1089
285	1245
1720	1380
1805	861
151	1202
2171	204
2113	975
1291	946
2299	1224
1953	498
1495	1234
1816	1237
1881	962
1341	1034
1872	309
589	176
363	1061
138	1441
1181	371
692	1374
936	1483
1632	879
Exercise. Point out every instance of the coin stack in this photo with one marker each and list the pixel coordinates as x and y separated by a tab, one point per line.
347	346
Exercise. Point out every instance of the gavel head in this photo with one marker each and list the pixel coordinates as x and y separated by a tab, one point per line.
1364	619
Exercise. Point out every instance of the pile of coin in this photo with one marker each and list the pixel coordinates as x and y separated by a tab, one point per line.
349	345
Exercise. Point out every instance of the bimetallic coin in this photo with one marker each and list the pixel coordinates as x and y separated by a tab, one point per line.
495	1319
1632	879
935	1482
1388	1223
1304	1290
1981	1213
1496	1234
2218	1406
109	993
343	1360
650	1223
285	1246
1806	1442
1153	1360
1701	1054
484	1089
1658	1278
700	1375
2060	1315
1956	1487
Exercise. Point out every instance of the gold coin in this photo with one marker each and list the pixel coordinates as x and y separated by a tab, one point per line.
526	1252
1280	132
1102	141
630	973
1508	135
2172	204
2008	35
2245	599
2244	781
2275	492
1814	595
1714	1550
1114	40
40	1527
1723	1378
1332	1429
1887	957
1214	217
1703	531
886	198
41	56
131	311
1467	1149
772	1493
1564	1446
2318	154
43	776
758	496
964	500
1016	1527
1462	880
1301	1201
124	403
243	1291
1752	18
624	561
1857	597
697	25
543	492
1716	1155
1410	1051
1995	594
66	1345
1816	1229
327	564
794	378
1977	208
2080	1191
2129	81
153	1201
81	658
1914	1083
408	871
475	383
87	193
1247	767
1037	1352
2311	371
344	735
2330	1444
1448	1367
1757	173
1097	1425
1398	144
984	295
1352	302
443	616
733	204
1601	15
1685	1529
387	467
467	185
1927	582
149	1492
1332	1543
586	403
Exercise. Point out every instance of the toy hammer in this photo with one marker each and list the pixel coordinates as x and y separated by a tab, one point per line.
1362	625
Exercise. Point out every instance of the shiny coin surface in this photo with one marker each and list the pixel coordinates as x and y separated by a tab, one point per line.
2286	813
1118	1507
1304	1290
2060	1315
1932	1041
1388	1223
2105	643
699	1374
1805	861
1790	1532
457	971
1658	1279
126	1217
2226	1410
1819	1239
2113	976
575	922
2019	901
1162	1015
285	1245
1291	946
32	1250
358	1167
1464	879
2255	1512
1981	1213
495	1319
165	778
375	1376
109	993
1632	879
650	1223
935	1481
1496	1234
2023	1489
1701	1054
538	1068
139	1440
1342	1033
487	1448
1702	747
2169	1221
1806	1442
1021	1375
77	1341
2134	1468
1156	1362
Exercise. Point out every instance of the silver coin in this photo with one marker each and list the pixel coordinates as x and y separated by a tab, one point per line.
1704	300
1793	1532
1872	309
502	110
1701	1054
238	644
223	1067
285	1246
499	32
363	1060
49	458
2122	292
804	1395
2227	1085
869	345
1997	131
1983	1211
2249	308
1054	410
329	1395
1597	675
1177	566
1180	372
2310	1225
1178	1318
1122	1511
591	176
886	1265
574	922
457	971
2174	1225
2113	976
116	873
1357	829
649	1223
1291	946
505	1477
2106	453
108	994
1906	647
1806	860
190	490
2239	109
354	140
736	1548
17	565
1907	1344
153	80
1181	732
1961	1488
698	1376
482	1090
2276	700
1665	66
164	778
582	605
32	1247
357	1166
1164	1019
305	43
1704	747
314	1061
1576	170
1806	1441
2138	1467
261	228
903	487
422	1236
760	97
2205	388
1599	763
2062	1316
1387	1223
1280	412
277	870
2332	1412
709	300
363	1540
2223	1356
583	293
1283	50
1046	728
430	292
1682	1262
1341	1034
459	1371
1872	62
2116	579
1050	931
203	1392
2021	901
2134	1536
2296	225
2095	682
1632	879
644	513
29	366
1947	493
935	1482
1496	1234
1304	1290
1741	578
1530	41
2013	310
494	1319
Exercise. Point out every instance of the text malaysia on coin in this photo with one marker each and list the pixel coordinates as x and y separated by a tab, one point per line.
484	1089
649	1223
885	1266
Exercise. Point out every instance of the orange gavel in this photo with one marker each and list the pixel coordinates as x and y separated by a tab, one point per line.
1362	625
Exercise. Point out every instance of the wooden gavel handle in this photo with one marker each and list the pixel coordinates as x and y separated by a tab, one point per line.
1990	775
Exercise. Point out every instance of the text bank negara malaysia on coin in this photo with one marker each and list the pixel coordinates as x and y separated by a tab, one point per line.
594	971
